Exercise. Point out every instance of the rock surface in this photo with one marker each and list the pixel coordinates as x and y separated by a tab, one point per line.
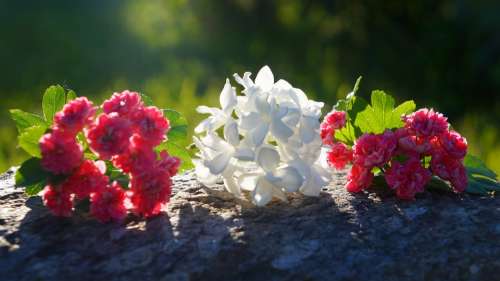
207	235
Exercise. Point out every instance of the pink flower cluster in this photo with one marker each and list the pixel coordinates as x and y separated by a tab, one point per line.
126	134
408	157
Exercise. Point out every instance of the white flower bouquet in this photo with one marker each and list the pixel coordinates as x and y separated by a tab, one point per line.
265	141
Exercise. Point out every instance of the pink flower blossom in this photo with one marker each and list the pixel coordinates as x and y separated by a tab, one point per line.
332	121
359	178
339	156
151	125
87	179
60	152
426	123
75	115
125	103
459	180
327	134
109	135
169	163
150	191
407	179
109	204
336	119
138	158
453	144
412	145
57	200
374	150
450	169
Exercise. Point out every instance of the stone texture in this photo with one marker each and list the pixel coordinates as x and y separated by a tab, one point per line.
207	235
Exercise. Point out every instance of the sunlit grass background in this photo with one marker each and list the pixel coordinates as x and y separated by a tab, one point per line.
443	54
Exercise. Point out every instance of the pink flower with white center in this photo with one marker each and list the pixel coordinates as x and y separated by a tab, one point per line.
150	123
359	178
109	204
453	144
407	179
75	115
426	123
339	156
138	158
125	103
109	135
61	153
150	191
87	179
374	150
450	169
58	200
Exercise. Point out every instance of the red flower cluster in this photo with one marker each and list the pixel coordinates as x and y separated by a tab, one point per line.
401	155
333	121
126	134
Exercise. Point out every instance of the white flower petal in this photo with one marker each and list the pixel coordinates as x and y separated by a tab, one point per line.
307	133
282	85
228	98
245	81
262	104
244	154
218	163
292	117
310	188
289	179
248	181
280	130
231	133
204	125
263	192
250	121
259	133
207	110
203	174
265	78
314	184
214	142
230	183
268	158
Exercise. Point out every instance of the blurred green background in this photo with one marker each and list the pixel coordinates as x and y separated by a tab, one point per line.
443	54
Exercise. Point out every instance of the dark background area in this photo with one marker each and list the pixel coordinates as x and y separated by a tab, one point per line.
442	54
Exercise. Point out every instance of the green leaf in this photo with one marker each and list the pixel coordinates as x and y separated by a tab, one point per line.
475	165
352	105
438	184
29	139
54	99
71	95
31	176
482	180
356	85
115	174
381	114
147	100
346	134
403	109
179	152
178	126
25	120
